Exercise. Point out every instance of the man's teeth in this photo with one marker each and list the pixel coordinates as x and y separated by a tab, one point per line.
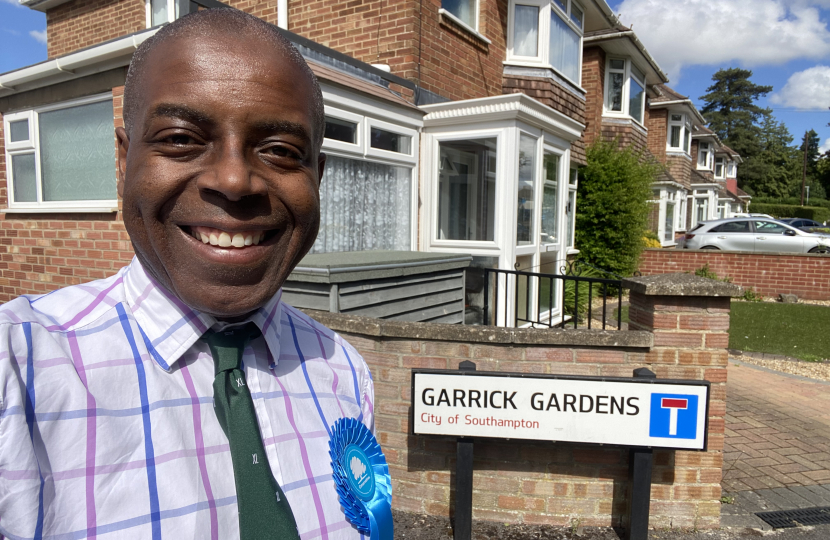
219	238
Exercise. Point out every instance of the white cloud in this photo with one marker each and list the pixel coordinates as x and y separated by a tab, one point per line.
808	89
679	33
825	146
39	35
12	2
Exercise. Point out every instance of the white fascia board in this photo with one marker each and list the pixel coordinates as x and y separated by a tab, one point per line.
672	183
685	102
517	107
367	104
115	53
42	5
629	34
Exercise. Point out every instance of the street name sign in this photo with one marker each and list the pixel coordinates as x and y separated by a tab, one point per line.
657	413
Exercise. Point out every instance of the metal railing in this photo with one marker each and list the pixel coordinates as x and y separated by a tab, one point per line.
525	293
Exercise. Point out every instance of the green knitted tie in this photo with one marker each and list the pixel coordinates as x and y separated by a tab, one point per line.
264	512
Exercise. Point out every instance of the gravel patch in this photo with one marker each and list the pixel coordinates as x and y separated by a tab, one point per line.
785	364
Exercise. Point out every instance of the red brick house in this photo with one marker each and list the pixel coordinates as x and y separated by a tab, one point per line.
463	122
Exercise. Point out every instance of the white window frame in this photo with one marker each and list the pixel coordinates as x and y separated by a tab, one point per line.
32	146
685	125
709	153
475	247
722	169
570	213
171	12
730	169
628	75
393	128
474	29
542	58
345	105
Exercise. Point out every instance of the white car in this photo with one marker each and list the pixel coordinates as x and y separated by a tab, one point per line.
753	234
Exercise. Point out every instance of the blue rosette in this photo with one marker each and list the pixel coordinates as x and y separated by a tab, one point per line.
361	477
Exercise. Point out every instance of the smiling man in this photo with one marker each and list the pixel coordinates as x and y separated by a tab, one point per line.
181	398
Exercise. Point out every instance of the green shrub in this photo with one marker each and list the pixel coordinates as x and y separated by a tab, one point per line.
816	213
612	207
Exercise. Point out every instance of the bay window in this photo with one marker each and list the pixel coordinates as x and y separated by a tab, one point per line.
570	209
704	156
62	157
679	133
550	199
557	23
624	89
730	170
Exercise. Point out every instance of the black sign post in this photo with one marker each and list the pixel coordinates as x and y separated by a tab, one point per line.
639	471
463	529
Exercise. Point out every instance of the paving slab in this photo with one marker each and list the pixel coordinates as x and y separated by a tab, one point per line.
778	430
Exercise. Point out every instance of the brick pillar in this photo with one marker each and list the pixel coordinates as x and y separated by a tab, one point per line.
689	317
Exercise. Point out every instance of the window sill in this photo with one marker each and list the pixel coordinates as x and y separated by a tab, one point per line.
630	119
61	210
464	26
548	67
572	251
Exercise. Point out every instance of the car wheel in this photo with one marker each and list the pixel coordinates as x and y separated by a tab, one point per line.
822	250
710	247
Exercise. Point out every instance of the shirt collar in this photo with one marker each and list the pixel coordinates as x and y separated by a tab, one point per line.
169	327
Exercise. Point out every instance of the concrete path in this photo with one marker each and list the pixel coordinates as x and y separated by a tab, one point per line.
777	449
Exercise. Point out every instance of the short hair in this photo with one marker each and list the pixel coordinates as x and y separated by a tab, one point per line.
204	24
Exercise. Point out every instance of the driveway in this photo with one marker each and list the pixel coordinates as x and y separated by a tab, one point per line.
777	448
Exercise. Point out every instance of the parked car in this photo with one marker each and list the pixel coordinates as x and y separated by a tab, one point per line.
807	225
743	215
754	234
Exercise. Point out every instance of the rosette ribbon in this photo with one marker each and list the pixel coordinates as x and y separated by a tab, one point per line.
361	477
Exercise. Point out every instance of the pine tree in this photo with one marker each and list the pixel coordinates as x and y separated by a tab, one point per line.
734	116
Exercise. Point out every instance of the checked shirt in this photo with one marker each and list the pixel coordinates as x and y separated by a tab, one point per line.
107	428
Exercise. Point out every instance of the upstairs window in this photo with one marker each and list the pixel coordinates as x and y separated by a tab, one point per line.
464	11
547	33
719	167
730	169
704	156
166	11
679	133
624	89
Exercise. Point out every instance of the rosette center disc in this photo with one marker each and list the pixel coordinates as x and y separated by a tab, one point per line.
359	472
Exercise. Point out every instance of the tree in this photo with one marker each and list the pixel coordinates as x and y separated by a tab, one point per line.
730	106
613	207
733	115
774	170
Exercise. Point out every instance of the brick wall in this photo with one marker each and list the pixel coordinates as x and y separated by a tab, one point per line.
550	483
593	81
83	23
555	96
43	252
657	124
769	274
453	62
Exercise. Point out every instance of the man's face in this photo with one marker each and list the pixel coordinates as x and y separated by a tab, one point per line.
220	174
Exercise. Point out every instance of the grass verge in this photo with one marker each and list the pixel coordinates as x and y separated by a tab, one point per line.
796	330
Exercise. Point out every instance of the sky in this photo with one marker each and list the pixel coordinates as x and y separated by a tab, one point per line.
22	36
786	44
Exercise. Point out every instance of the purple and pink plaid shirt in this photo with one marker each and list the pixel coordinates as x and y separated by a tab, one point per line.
107	428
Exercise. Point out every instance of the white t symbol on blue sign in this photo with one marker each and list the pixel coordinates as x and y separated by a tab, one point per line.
673	416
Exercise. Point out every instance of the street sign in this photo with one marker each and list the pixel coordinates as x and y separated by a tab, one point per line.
602	410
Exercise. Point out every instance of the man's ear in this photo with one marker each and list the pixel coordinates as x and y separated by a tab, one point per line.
122	146
321	167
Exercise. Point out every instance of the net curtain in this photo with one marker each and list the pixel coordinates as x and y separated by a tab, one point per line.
364	206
